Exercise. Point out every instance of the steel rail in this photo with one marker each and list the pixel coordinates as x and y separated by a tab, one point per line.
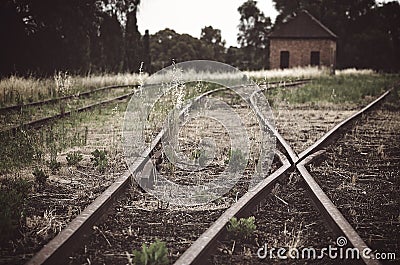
288	149
198	252
331	134
335	219
338	223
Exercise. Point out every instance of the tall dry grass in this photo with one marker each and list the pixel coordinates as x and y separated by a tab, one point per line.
18	90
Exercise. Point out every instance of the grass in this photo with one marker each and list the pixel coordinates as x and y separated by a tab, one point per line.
155	254
29	113
17	90
343	88
172	97
13	195
27	146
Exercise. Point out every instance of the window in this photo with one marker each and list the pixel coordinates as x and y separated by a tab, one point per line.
314	60
284	59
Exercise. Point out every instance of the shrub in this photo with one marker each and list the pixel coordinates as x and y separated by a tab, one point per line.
74	158
13	194
155	254
40	176
99	159
54	165
242	228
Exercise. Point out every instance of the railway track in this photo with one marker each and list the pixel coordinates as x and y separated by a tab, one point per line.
39	121
101	203
59	247
368	195
58	99
201	248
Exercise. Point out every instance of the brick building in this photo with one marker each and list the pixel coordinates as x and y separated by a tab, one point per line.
302	41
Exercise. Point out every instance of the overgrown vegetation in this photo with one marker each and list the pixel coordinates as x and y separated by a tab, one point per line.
40	176
99	159
74	158
348	88
155	254
13	194
17	90
24	146
242	228
18	149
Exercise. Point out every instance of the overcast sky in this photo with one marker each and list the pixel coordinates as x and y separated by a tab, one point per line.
190	16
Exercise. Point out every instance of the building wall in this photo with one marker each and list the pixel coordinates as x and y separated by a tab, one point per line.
300	51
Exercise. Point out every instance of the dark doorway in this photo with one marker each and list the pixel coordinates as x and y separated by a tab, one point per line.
284	59
314	60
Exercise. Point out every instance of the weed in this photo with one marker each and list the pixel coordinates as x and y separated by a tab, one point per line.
40	176
236	159
18	149
200	156
74	158
99	159
54	165
13	194
242	228
155	254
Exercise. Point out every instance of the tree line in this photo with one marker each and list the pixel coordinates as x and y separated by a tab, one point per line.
83	36
79	36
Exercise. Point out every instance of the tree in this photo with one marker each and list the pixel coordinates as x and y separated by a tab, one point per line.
12	30
133	45
254	28
212	37
236	57
146	52
167	45
111	44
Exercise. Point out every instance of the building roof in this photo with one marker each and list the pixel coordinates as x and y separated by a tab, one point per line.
303	26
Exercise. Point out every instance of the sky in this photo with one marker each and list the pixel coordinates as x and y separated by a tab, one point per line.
190	16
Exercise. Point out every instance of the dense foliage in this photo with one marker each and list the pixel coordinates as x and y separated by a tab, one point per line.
84	36
79	36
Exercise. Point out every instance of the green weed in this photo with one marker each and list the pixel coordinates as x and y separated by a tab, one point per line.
18	149
99	159
40	176
74	158
155	254
242	228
